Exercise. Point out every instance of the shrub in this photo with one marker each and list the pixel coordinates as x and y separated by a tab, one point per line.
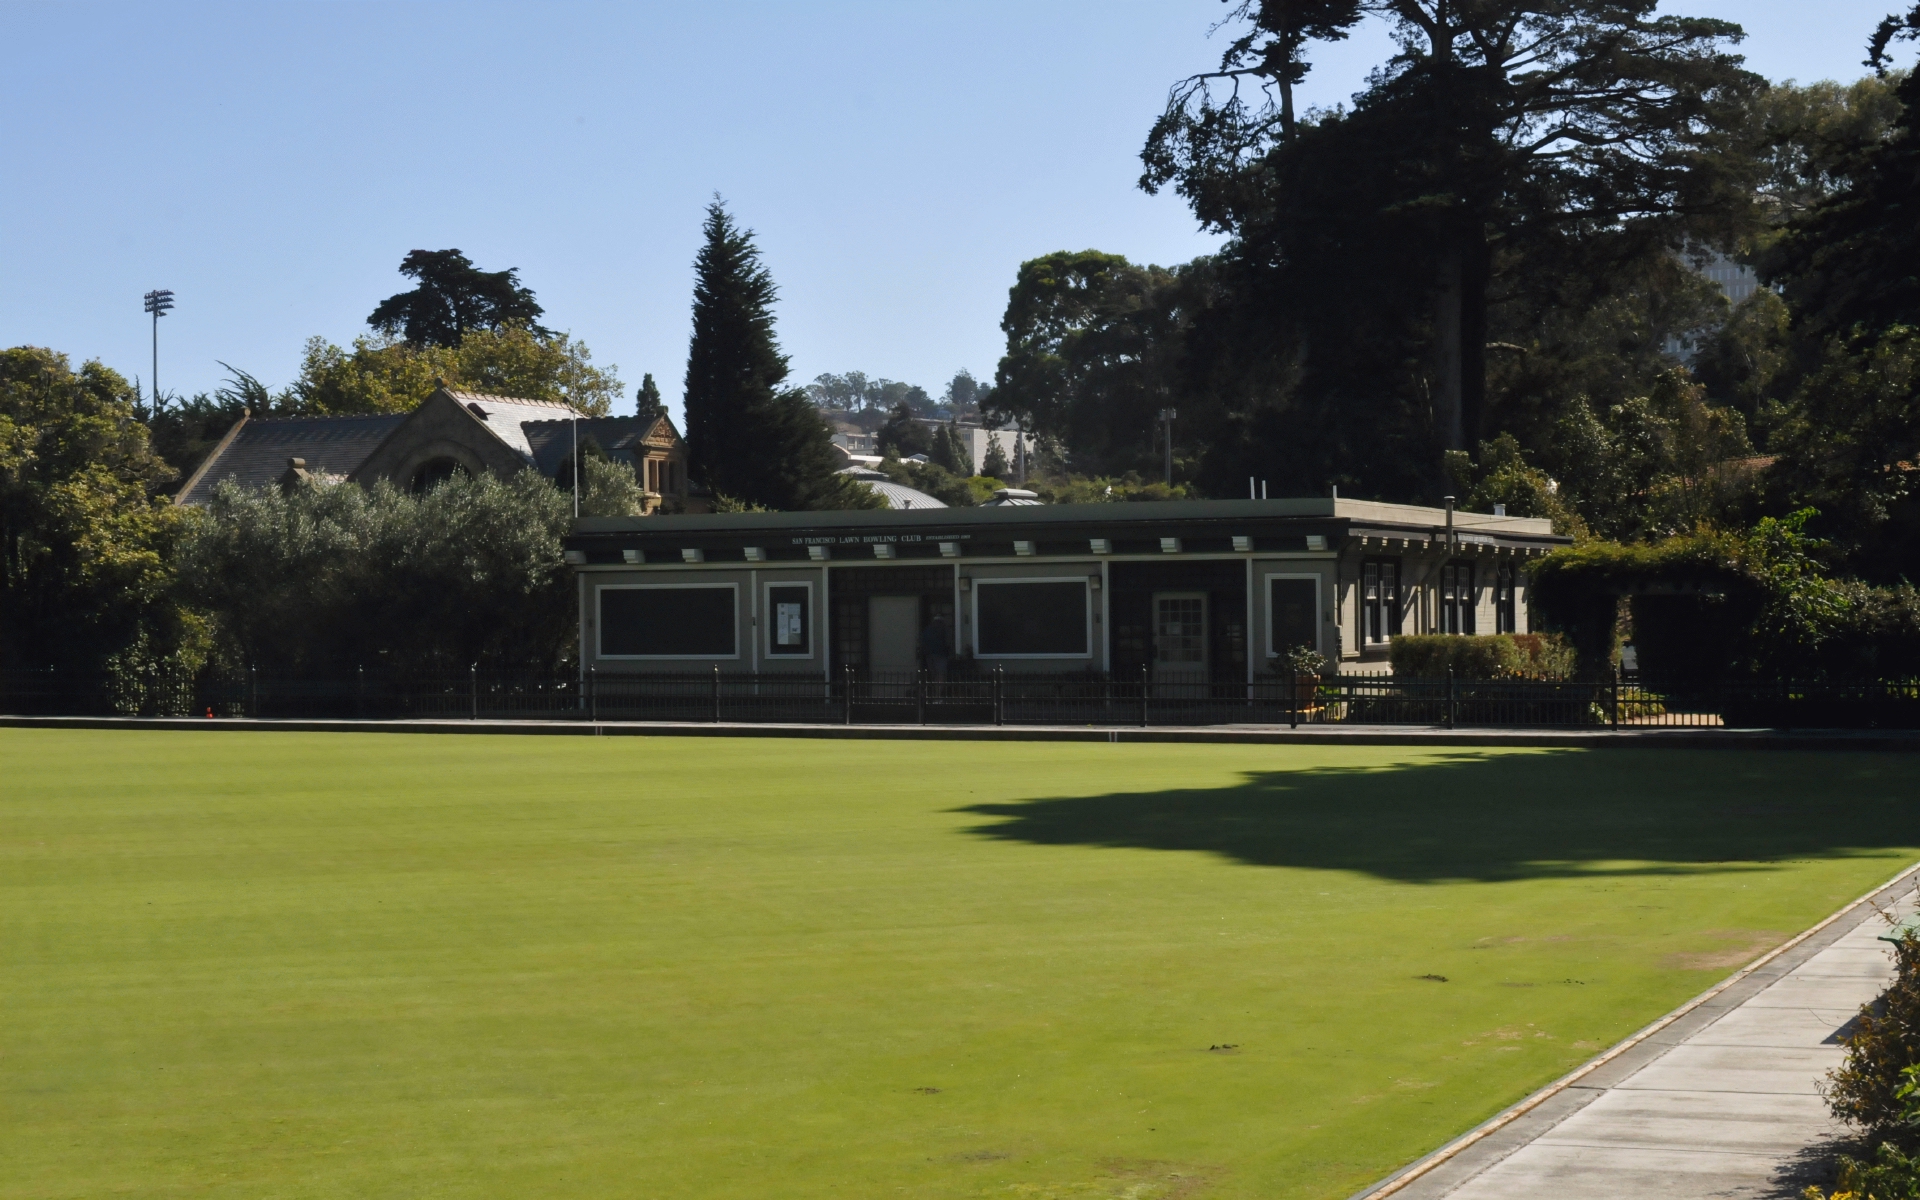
1548	655
1891	1176
326	578
1429	656
1873	1088
1877	1089
1299	660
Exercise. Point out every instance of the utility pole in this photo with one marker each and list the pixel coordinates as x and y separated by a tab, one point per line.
1166	418
576	464
158	302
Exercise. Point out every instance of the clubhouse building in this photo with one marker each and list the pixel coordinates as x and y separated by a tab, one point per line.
1208	591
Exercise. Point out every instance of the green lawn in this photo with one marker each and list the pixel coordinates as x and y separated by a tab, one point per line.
289	965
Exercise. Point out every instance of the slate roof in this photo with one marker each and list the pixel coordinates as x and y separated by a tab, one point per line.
259	449
505	416
552	441
255	452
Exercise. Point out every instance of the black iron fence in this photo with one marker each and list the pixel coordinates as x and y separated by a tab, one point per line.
989	698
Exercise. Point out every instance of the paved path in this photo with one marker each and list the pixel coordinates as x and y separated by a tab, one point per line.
1904	741
1724	1102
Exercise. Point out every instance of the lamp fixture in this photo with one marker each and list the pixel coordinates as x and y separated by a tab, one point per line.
882	550
634	557
1023	549
756	554
693	556
949	549
819	553
1242	544
1169	545
1100	545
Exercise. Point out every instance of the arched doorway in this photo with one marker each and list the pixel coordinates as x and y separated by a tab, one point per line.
434	472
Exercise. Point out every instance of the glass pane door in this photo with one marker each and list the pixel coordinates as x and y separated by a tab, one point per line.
1180	636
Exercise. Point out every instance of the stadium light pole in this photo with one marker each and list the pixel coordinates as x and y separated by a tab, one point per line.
1167	416
158	302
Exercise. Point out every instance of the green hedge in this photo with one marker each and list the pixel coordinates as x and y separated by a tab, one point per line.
1714	605
1430	656
1693	601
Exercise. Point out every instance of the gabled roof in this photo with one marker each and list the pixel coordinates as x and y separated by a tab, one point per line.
551	441
504	416
255	452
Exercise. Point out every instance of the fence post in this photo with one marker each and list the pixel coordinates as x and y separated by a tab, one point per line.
1293	700
473	688
716	693
1613	709
1449	696
360	691
253	692
593	693
846	694
1146	685
920	678
999	714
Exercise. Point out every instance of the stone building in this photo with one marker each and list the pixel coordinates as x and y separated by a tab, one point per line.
451	432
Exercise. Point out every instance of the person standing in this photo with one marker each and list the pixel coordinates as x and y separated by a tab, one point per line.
936	647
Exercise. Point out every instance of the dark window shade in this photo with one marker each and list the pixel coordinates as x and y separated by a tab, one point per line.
695	622
789	621
1032	618
1296	615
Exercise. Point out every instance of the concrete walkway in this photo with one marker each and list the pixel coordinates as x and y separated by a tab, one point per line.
1900	741
1722	1102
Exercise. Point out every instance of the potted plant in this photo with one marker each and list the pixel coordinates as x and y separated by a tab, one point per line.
1304	665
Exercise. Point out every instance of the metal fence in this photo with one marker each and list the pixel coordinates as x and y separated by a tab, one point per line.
990	698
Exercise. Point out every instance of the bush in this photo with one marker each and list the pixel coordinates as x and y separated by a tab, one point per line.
1872	1089
1877	1089
1299	660
1548	655
1429	656
324	579
1891	1176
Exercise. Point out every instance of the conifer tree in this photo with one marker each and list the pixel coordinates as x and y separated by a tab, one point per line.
749	437
647	402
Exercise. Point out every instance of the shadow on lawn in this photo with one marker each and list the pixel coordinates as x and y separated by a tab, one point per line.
1509	816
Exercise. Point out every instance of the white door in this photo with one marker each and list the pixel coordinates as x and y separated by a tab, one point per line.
1180	637
893	633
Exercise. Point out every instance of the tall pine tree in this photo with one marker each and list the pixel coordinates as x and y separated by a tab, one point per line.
646	401
749	437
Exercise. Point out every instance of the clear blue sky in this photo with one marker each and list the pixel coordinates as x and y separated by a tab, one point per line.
271	163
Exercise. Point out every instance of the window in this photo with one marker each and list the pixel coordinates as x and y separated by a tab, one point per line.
789	620
1506	606
1456	598
1031	618
1293	607
1379	600
1180	630
669	621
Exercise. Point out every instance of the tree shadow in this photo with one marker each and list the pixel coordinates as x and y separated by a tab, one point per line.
1491	817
